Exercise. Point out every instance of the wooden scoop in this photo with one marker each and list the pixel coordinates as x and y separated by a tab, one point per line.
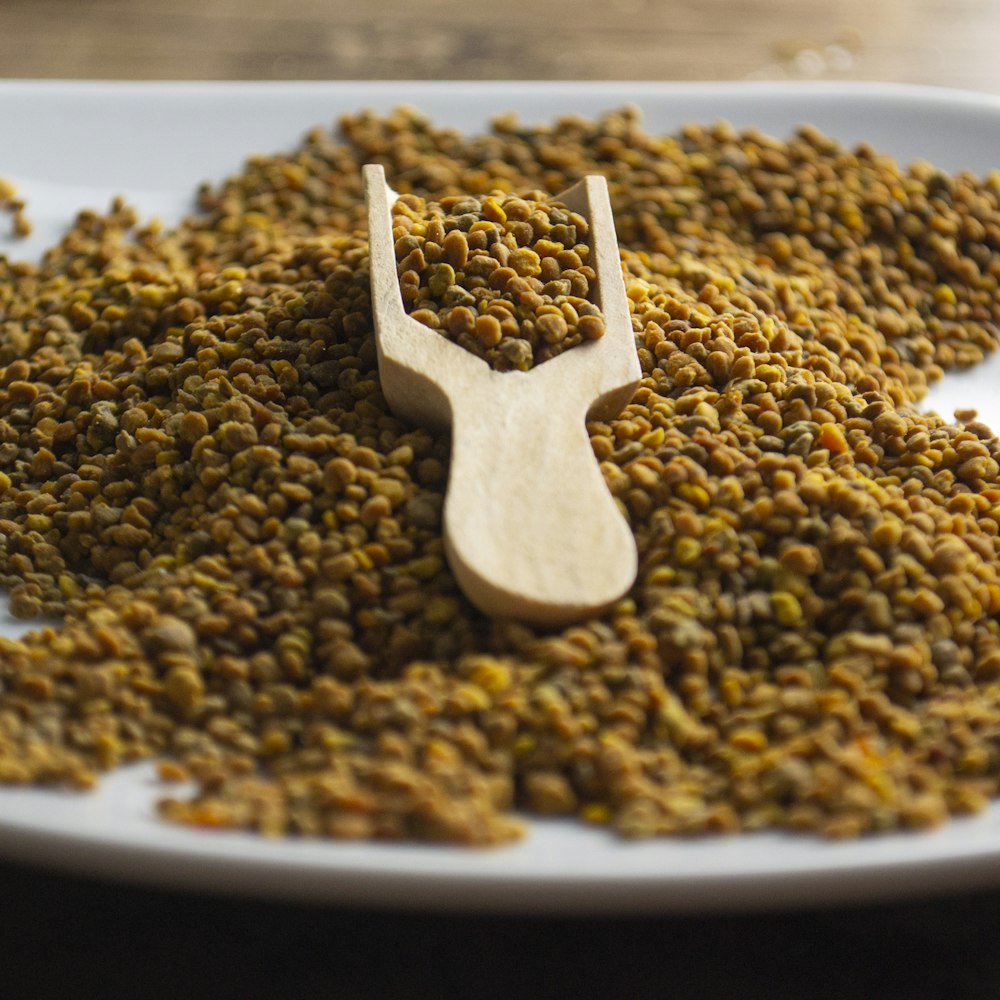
530	529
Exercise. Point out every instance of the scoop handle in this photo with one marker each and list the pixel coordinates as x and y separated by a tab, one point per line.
531	530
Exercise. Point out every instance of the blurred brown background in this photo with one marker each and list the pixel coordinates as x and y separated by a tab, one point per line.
944	42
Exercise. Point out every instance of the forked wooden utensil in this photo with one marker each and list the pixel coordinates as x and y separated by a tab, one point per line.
530	529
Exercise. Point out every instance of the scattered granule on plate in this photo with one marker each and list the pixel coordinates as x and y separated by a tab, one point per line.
15	206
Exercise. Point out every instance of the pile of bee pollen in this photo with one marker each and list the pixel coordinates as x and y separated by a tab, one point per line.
505	278
200	481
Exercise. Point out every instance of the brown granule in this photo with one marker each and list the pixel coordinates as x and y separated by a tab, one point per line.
199	474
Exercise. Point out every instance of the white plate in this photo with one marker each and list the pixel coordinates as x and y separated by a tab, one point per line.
67	145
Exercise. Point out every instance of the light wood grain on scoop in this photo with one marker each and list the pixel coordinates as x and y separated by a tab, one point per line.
530	529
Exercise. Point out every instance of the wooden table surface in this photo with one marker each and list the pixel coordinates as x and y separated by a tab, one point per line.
945	42
68	936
